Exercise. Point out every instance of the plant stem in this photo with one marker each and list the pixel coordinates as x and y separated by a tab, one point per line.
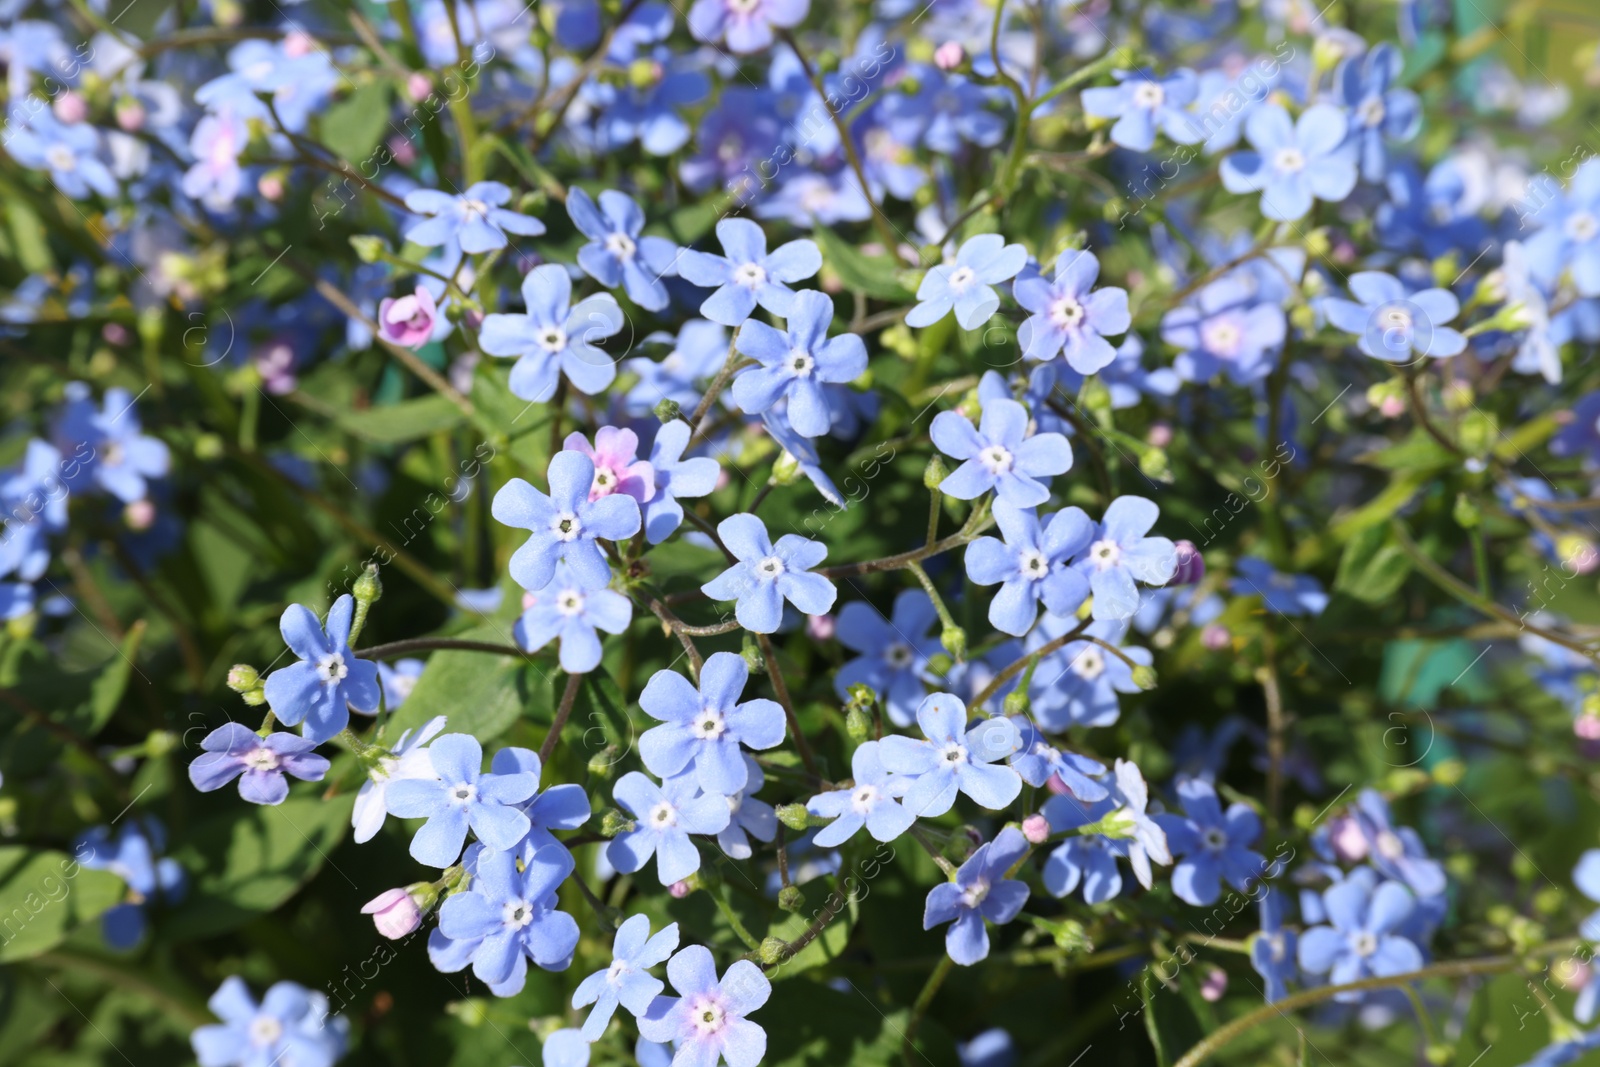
429	644
739	928
939	606
568	696
1011	670
930	989
781	689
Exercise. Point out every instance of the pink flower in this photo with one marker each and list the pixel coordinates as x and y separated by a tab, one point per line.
1215	637
275	362
409	320
1036	828
949	55
820	627
1214	985
1191	564
394	913
1347	839
615	468
139	515
70	108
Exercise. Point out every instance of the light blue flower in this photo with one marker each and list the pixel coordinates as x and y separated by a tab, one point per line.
1379	110
616	253
944	111
1121	554
804	454
216	178
560	807
696	354
511	917
981	891
408	758
747	816
894	652
1293	161
234	749
569	611
707	1018
70	152
1033	564
1569	233
1145	102
1086	859
565	524
1226	326
476	220
953	758
565	1048
627	981
1393	322
1066	314
554	337
664	816
704	728
872	801
134	856
33	502
1079	683
291	1025
329	680
461	795
1214	846
1037	761
796	361
1360	939
124	457
1274	951
998	454
746	275
675	477
767	574
746	26
399	680
1283	594
966	285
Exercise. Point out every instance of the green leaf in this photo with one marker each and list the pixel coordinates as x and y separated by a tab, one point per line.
106	692
480	693
1396	495
809	1024
354	126
396	424
872	275
45	896
1372	567
1168	1019
250	859
1417	453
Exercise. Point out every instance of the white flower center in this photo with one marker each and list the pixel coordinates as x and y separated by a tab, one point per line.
799	363
620	245
516	913
1221	337
471	207
60	157
750	275
1582	226
1149	94
663	816
1214	838
708	1015
709	724
265	1031
569	602
403	684
566	526
961	278
953	754
997	459
1370	112
1066	313
1105	554
552	339
1363	943
770	569
1032	564
619	970
462	794
111	454
1390	846
899	655
1289	160
261	759
1395	317
1089	664
331	668
975	893
743	7
864	798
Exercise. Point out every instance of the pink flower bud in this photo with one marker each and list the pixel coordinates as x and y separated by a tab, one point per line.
529	599
403	151
1572	974
1392	407
409	320
1216	638
270	186
275	363
1036	828
1587	727
949	55
679	890
1191	564
419	87
115	333
130	115
1347	839
1057	786
139	515
70	107
1214	985
298	43
394	913
1160	435
820	627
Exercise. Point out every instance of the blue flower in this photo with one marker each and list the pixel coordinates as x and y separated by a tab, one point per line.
627	981
1396	851
1214	846
132	856
1392	322
1567	1050
1225	326
565	1048
124	457
554	337
953	758
991	1048
1036	761
1360	940
894	651
571	611
616	254
664	816
998	454
1379	111
965	285
1077	685
1066	314
216	144
980	891
1032	564
1145	102
1579	437
1539	350
561	807
407	759
767	574
796	361
745	25
706	727
747	816
291	1026
476	220
675	477
747	275
461	795
707	1019
1586	877
329	680
1121	554
1433	215
645	108
804	454
1292	162
944	111
873	802
1273	951
398	681
1283	594
698	352
511	916
70	152
33	505
1087	859
1569	233
564	524
234	750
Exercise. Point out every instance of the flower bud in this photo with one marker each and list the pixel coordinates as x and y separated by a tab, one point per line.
949	56
1016	703
419	87
1214	985
794	816
70	108
614	822
751	651
368	588
680	889
130	115
1191	564
935	473
821	627
772	950
954	640
409	320
369	247
602	763
1466	512
668	411
1144	677
857	723
394	913
790	898
242	677
1036	828
785	469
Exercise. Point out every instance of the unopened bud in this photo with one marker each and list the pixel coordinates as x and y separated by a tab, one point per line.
1016	703
857	723
935	473
754	662
790	898
772	950
954	640
668	411
785	469
369	248
603	762
1144	677
1036	828
242	677
614	822
680	889
949	56
794	816
1191	564
367	588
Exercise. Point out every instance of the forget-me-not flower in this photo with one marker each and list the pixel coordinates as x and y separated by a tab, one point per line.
627	981
1145	102
1361	939
1225	326
407	759
1395	323
1379	110
998	454
675	477
571	611
1079	683
617	466
953	758
399	680
1569	233
664	816
1036	761
560	807
1089	859
966	285
747	816
705	727
616	253
980	891
1122	553
794	363
124	457
1274	950
1293	162
564	524
291	1026
707	1018
476	220
512	917
894	652
745	25
328	680
872	801
1283	594
234	749
767	574
69	151
1069	313
554	337
1213	845
1032	564
746	275
133	856
461	796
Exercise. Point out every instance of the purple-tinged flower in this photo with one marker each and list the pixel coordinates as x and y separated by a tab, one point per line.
747	816
554	337
1283	594
675	477
123	459
1379	110
894	652
1394	851
71	153
1033	564
1361	938
329	680
1214	846
660	82
408	759
1293	161
564	524
1037	761
1433	215
408	321
560	807
290	1027
1121	554
1079	683
627	981
746	275
767	575
1393	322
966	285
394	912
796	361
1191	565
1225	326
569	611
707	1019
953	758
664	816
476	221
1068	313
980	891
998	454
705	727
1145	102
461	796
234	750
398	681
873	801
217	143
512	917
616	253
746	25
617	468
1273	951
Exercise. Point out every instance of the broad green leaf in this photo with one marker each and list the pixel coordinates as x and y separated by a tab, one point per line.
45	896
106	691
480	693
354	126
1372	567
872	275
395	424
809	1024
1396	495
1417	453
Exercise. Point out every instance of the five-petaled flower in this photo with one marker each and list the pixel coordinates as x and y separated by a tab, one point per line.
291	1026
554	337
571	611
999	454
664	816
873	801
767	574
461	796
511	916
706	727
476	221
564	524
966	285
1143	102
894	651
1069	313
1362	938
627	981
1032	565
747	275
1393	322
794	363
1293	162
675	477
617	254
329	680
1120	553
953	758
707	1019
1214	845
980	891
